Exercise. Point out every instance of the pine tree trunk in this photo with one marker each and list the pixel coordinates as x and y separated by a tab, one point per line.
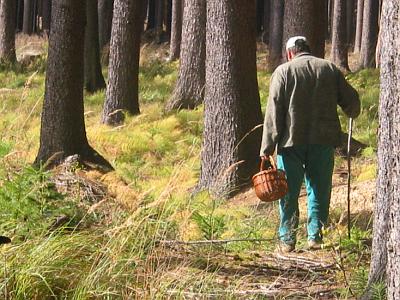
266	21
320	27
159	20
7	31
46	16
339	37
359	26
28	17
123	90
105	11
388	190
350	23
232	106
369	34
298	16
189	89
276	35
94	79
176	30
259	16
151	15
63	127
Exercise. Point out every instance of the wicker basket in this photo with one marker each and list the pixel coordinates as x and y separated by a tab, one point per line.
270	185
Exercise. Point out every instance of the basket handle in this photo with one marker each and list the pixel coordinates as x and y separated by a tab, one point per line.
271	161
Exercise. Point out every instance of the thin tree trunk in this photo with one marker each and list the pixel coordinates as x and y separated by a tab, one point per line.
151	15
266	21
28	17
369	34
105	11
94	79
359	26
176	31
232	105
122	90
339	54
350	23
276	34
189	89
320	27
159	20
7	31
63	126
46	16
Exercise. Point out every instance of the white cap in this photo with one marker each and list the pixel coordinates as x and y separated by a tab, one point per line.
292	41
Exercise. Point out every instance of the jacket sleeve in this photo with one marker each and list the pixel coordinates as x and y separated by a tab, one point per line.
275	115
348	100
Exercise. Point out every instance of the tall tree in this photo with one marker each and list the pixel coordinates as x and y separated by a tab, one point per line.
189	89
176	30
159	19
298	16
339	54
63	127
386	231
7	31
350	23
46	15
94	79
105	12
28	17
359	26
123	86
151	15
276	34
266	21
232	104
369	34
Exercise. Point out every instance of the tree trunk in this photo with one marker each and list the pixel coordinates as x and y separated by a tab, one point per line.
7	31
63	127
359	26
27	27
159	20
94	79
176	31
105	11
386	231
168	18
320	27
259	16
339	54
46	16
123	91
189	89
388	190
276	33
151	15
369	34
350	23
232	105
266	21
298	16
20	15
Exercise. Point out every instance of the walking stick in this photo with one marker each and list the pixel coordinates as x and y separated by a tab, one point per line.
349	175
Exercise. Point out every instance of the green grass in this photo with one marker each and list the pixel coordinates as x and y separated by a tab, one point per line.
112	252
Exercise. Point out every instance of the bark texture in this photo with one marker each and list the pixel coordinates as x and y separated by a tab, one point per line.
176	30
298	16
339	54
369	34
189	89
105	12
232	106
62	126
94	79
7	31
123	86
276	33
359	26
350	23
266	21
46	15
385	258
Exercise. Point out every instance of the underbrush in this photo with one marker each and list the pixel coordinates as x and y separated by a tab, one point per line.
112	252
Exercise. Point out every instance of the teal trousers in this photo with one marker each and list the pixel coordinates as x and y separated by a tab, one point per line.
314	165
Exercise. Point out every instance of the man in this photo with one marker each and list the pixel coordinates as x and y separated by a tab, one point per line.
301	120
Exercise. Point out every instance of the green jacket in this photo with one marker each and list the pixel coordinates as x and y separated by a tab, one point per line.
302	104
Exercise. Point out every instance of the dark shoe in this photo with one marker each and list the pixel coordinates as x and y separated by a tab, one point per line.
285	248
315	245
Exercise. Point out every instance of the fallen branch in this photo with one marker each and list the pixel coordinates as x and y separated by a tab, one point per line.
174	242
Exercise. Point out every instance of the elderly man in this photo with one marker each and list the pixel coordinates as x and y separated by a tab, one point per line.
301	121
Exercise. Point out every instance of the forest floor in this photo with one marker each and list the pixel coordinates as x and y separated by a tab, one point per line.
138	232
